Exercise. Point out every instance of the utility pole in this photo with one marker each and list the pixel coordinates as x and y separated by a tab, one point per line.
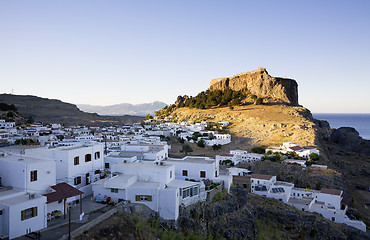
69	223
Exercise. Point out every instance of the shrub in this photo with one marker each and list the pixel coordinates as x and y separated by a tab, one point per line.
148	117
216	146
260	150
259	101
186	148
254	97
200	143
314	156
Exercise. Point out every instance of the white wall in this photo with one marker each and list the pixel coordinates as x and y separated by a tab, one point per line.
146	172
194	168
169	203
12	214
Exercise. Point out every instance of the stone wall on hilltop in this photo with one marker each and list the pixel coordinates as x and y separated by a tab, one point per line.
260	83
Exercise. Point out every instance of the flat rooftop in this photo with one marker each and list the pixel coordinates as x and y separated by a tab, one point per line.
191	160
18	199
305	201
181	183
286	184
23	159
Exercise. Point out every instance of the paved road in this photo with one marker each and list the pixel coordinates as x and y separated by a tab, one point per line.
59	226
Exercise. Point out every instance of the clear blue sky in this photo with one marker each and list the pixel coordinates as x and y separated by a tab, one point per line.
110	52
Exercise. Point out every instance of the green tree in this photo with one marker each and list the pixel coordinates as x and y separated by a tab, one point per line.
259	101
148	117
260	150
186	148
201	143
253	97
314	156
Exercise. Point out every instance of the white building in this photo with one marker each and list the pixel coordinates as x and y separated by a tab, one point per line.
77	165
328	202
27	174
261	184
151	184
21	213
199	168
221	139
293	147
5	125
301	163
237	156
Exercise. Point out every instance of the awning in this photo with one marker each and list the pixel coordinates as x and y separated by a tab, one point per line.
62	191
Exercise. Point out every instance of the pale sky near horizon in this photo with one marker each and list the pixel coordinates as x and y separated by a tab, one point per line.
111	52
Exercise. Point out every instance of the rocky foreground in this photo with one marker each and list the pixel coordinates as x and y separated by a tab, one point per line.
238	215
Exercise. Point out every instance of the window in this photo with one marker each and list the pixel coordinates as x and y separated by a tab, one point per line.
145	198
114	190
1	212
170	174
77	180
97	155
97	172
106	165
77	160
185	173
33	175
88	157
202	174
190	191
29	213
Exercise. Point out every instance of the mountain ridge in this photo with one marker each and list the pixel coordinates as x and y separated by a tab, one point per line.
53	110
123	108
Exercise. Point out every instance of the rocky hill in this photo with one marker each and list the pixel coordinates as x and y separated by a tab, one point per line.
52	110
268	125
260	83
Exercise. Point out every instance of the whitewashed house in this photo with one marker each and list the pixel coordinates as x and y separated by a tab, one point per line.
261	184
293	147
77	165
199	168
328	202
218	138
21	213
28	174
151	184
6	125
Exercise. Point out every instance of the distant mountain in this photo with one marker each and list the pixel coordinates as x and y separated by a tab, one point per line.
123	108
53	110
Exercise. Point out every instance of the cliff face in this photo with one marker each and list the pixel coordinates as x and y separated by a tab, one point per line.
260	83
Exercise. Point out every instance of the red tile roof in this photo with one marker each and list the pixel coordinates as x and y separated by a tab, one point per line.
331	191
261	176
296	148
62	191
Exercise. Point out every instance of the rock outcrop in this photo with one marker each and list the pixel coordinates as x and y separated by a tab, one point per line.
260	83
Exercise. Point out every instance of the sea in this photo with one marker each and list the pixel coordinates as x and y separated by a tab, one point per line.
359	121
